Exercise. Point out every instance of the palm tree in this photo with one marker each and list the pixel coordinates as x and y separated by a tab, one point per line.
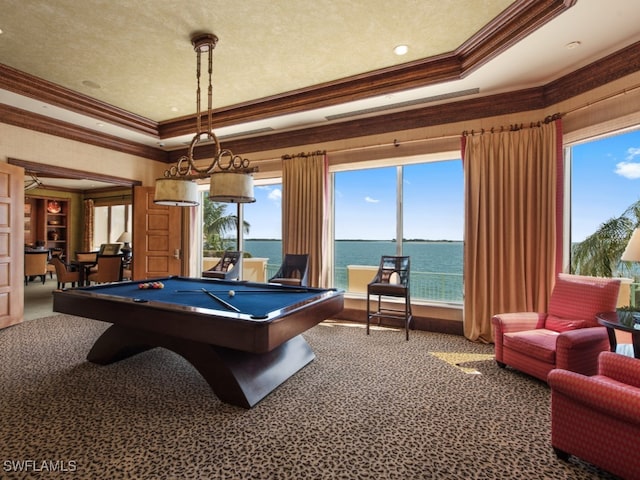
216	224
599	254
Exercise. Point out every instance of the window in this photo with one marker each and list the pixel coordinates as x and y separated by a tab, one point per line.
263	226
414	210
605	182
109	221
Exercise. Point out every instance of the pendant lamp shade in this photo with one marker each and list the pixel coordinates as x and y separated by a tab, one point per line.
231	187
176	192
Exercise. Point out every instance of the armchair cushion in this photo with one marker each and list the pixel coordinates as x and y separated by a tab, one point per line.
558	324
539	343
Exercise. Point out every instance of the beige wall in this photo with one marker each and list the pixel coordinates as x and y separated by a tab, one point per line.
16	142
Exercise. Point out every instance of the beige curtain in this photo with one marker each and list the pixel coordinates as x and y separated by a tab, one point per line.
304	211
513	224
87	233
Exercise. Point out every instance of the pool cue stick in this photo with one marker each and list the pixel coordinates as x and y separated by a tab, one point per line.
302	290
222	302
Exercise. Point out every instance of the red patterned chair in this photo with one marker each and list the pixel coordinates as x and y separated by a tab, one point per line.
567	336
598	418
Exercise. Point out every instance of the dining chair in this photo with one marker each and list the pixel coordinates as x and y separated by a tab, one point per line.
109	269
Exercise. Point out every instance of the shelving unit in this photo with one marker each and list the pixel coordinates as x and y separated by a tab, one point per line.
48	223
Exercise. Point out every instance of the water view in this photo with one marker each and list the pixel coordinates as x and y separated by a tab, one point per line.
436	267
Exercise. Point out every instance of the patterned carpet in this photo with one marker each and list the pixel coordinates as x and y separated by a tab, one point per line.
374	407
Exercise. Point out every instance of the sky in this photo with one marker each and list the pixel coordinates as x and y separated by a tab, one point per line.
605	181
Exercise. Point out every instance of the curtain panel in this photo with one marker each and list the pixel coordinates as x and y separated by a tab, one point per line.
304	211
87	232
513	222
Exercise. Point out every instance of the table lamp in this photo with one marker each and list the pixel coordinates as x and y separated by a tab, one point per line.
125	237
632	252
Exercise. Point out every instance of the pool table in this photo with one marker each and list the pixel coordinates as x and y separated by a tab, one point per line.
244	338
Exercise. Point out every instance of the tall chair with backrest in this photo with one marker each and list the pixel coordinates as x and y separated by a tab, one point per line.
35	265
64	273
391	280
227	268
293	271
109	269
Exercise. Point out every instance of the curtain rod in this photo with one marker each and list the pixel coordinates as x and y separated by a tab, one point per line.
514	127
624	91
303	155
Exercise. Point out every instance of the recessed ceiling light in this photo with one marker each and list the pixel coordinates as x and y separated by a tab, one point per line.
572	45
90	84
401	49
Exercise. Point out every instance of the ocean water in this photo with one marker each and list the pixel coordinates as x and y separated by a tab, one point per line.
436	267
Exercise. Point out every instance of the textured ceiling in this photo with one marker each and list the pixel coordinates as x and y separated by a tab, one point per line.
137	55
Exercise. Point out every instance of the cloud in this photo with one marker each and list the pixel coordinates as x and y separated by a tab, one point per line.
630	170
632	152
368	199
275	194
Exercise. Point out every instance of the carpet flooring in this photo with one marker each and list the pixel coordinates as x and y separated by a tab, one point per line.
368	407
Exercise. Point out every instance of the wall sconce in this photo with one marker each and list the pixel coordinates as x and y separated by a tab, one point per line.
230	175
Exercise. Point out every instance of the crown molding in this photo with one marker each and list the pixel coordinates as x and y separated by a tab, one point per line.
505	30
63	172
33	87
615	66
513	24
516	21
40	123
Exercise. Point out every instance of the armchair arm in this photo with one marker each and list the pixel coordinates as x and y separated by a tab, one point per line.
517	322
513	322
619	367
581	338
577	350
615	400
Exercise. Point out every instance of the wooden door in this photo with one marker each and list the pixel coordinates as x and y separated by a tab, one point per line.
11	244
157	237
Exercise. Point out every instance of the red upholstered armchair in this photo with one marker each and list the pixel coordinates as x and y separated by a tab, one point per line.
567	336
598	418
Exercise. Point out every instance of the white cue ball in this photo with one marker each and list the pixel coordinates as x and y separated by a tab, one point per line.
231	293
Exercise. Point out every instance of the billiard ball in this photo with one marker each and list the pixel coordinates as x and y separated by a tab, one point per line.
231	293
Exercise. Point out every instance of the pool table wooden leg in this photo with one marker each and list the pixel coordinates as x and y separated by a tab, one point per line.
236	377
115	344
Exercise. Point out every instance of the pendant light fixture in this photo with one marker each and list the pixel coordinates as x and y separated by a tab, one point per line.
230	175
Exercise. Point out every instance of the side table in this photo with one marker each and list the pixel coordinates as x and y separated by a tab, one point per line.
625	321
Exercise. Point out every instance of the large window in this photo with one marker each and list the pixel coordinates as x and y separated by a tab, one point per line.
414	210
263	225
109	222
605	183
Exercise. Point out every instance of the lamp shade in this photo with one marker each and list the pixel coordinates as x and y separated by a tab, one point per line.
231	187
125	237
176	192
632	252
